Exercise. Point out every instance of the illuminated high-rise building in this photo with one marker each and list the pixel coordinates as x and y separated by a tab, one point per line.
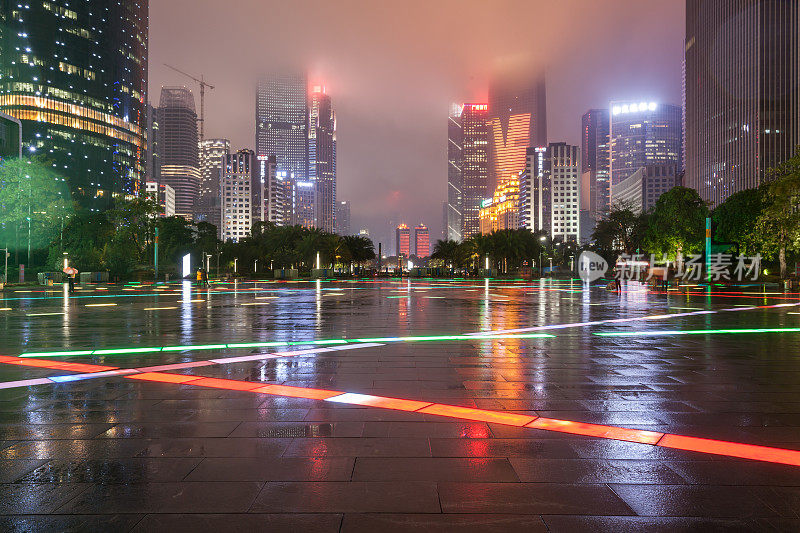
641	134
270	193
474	181
152	164
178	149
551	191
211	153
403	240
422	241
303	203
282	130
322	157
236	187
517	120
742	92
501	212
343	218
164	195
594	161
75	75
454	207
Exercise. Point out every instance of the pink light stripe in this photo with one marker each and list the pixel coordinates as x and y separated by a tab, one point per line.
25	383
176	366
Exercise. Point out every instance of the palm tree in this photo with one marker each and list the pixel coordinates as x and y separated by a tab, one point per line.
448	251
358	248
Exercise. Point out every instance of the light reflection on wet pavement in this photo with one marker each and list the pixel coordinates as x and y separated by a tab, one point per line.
113	452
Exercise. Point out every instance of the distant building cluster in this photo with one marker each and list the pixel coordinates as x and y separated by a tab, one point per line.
740	115
420	247
86	108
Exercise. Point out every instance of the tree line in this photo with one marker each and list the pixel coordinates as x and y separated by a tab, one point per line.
40	224
763	220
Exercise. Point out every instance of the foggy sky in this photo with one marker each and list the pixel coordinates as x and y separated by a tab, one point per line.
392	69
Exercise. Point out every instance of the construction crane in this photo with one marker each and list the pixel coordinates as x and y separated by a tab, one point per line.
203	85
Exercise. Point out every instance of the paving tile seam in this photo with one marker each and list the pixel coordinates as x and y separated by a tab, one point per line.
98	371
667	440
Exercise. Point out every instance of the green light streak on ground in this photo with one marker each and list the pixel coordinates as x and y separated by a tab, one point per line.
695	332
190	347
194	347
126	350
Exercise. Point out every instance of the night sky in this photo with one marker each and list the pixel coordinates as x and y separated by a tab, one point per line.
392	68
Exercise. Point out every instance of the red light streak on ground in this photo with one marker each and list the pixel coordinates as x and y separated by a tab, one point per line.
682	442
596	430
667	440
56	365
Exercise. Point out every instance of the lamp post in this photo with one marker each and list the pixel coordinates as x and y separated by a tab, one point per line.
235	265
5	256
541	257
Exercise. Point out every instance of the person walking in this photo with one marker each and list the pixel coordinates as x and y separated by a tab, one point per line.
204	277
71	280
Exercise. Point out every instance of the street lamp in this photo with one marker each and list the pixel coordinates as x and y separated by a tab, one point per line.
543	238
235	265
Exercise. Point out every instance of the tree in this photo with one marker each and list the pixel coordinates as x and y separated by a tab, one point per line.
736	219
134	224
34	205
677	224
359	248
449	252
83	238
778	227
205	239
619	231
175	239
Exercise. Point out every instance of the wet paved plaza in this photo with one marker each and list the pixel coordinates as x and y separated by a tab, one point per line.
373	406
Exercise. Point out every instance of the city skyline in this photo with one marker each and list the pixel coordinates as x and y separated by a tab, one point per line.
386	103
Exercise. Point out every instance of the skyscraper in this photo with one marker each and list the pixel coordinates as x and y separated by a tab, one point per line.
282	130
403	240
276	203
594	161
453	210
177	147
152	164
565	191
551	191
343	218
322	157
75	74
422	241
742	91
164	195
501	212
474	166
236	186
518	120
640	191
642	133
211	152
